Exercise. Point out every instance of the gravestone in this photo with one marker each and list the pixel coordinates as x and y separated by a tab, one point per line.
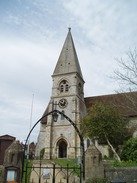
13	163
93	163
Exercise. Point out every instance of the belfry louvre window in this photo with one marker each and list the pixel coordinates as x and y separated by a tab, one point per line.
67	88
61	88
64	86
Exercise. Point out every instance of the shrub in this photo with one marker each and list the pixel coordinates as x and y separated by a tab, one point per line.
129	151
123	164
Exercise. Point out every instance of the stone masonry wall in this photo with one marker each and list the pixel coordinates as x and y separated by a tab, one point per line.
119	174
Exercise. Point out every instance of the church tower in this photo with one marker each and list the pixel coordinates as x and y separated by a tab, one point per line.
60	139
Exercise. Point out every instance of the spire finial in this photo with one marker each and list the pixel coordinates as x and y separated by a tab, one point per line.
69	29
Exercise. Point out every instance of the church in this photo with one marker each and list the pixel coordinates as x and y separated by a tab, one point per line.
59	139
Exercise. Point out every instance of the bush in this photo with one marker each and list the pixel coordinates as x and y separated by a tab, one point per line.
129	151
123	164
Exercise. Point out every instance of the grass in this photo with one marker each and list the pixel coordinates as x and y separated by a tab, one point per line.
123	164
65	162
71	163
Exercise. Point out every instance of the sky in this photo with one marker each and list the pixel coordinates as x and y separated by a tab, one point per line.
32	33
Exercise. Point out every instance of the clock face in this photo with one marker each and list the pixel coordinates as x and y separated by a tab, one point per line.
63	103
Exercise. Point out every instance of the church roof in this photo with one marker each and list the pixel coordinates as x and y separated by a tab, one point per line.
68	60
126	103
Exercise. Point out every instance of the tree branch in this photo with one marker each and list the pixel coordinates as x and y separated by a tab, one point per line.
115	153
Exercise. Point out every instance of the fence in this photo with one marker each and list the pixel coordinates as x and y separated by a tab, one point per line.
52	173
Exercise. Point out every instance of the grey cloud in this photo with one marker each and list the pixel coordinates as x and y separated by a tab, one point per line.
31	42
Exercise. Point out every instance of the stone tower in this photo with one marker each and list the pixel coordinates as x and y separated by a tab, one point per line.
60	139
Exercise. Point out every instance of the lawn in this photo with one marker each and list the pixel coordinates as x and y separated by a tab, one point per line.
70	163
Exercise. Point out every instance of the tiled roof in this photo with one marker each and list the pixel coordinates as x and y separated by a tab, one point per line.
125	102
7	137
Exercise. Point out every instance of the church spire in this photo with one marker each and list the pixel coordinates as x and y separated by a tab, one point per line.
68	60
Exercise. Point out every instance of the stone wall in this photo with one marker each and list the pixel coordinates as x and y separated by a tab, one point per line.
13	162
119	174
115	175
93	164
95	168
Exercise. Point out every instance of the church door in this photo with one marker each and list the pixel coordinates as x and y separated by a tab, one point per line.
62	145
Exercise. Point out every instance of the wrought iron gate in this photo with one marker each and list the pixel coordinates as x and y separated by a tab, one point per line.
52	174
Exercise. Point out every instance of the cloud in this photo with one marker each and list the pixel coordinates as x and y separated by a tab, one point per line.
107	29
36	20
32	36
105	23
23	71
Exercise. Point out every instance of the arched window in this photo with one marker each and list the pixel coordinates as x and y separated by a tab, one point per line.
88	143
12	158
80	88
64	86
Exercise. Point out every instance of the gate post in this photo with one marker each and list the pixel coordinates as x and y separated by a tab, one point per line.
13	162
40	171
67	173
53	180
81	175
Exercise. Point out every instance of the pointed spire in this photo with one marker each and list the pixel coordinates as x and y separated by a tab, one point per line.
68	60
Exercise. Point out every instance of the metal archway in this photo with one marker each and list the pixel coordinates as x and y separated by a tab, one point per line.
54	113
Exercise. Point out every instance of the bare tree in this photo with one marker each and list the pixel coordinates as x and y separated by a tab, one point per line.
126	74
